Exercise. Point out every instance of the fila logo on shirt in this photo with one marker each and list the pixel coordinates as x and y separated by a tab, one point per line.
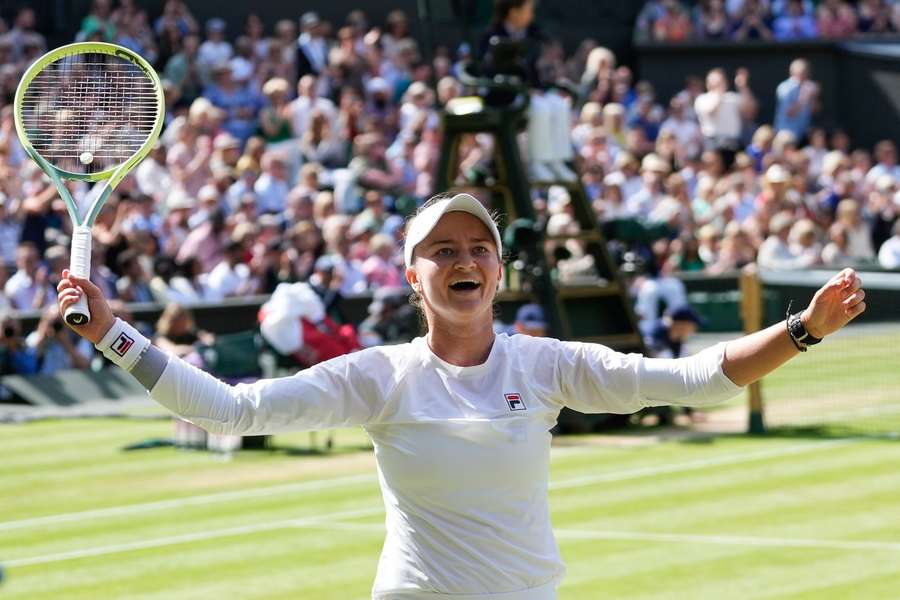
515	402
122	344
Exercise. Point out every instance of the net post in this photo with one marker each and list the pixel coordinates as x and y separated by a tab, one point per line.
752	317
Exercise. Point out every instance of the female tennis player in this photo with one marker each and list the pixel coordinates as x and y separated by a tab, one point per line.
460	418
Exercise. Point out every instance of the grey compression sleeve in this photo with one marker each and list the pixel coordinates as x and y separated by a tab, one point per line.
149	367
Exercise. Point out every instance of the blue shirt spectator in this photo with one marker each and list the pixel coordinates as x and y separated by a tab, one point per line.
796	100
795	24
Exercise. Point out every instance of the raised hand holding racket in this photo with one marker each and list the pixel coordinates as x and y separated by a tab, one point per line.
91	112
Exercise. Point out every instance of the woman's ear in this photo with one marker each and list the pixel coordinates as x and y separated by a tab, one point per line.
412	278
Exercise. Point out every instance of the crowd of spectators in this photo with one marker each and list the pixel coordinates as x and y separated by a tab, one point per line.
673	21
296	154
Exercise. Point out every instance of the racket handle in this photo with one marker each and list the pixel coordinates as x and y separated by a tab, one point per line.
80	266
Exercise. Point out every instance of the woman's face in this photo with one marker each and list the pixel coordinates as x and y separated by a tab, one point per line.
456	270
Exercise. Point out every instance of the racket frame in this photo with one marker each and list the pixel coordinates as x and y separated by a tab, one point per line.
107	179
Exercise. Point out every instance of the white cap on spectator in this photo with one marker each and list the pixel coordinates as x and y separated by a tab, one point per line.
615	178
885	183
179	199
377	84
309	19
208	192
777	174
653	162
422	224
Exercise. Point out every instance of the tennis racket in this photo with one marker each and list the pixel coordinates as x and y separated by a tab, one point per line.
89	112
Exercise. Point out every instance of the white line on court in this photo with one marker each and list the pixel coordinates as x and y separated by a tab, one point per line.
735	540
637	473
302	486
320	484
189	537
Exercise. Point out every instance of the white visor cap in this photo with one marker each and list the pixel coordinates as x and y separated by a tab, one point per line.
424	222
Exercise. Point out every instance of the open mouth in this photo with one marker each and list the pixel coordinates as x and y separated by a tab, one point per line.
464	286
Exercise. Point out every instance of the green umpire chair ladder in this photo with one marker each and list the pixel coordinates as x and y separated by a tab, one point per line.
597	309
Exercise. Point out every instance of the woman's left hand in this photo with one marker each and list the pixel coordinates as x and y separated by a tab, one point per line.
835	304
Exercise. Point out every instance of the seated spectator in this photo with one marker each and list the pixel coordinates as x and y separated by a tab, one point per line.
752	22
133	284
380	268
835	253
275	119
16	357
391	319
713	22
886	157
804	243
849	214
177	334
215	50
795	23
667	336
29	287
530	321
775	252
835	19
232	276
673	23
889	253
272	186
56	346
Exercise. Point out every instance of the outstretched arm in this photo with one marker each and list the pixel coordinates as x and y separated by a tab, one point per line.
753	356
339	392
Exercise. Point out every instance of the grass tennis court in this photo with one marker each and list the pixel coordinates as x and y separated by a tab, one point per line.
637	517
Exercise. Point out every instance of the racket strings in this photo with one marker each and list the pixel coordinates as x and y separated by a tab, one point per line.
89	103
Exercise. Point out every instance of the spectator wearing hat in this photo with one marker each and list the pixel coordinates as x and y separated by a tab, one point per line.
797	100
215	50
667	336
889	253
236	98
530	321
275	117
312	47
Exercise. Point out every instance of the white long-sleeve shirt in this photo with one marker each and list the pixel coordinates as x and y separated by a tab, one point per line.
462	452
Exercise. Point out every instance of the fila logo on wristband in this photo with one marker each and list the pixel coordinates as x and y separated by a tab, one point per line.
515	401
122	344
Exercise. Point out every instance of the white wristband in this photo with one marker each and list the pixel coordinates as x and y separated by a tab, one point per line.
123	345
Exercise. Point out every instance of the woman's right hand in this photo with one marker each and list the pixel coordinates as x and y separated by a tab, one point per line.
70	289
